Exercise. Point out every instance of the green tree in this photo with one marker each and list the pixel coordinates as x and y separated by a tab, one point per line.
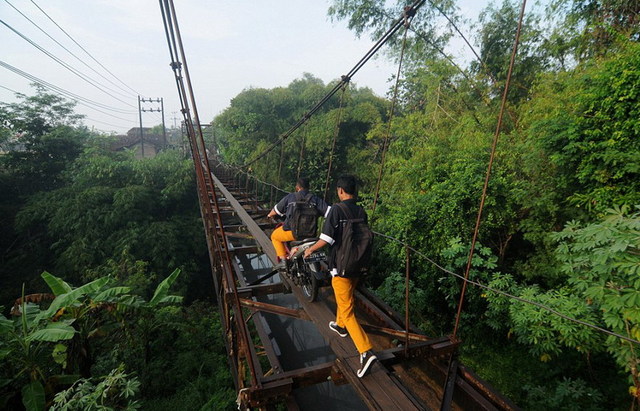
602	261
594	27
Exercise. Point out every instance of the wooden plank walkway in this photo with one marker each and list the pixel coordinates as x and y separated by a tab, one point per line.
379	390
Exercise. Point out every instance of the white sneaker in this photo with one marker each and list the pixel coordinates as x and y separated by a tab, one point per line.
366	361
341	331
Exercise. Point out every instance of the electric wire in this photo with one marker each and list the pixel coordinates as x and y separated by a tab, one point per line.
9	89
63	64
83	49
74	55
62	91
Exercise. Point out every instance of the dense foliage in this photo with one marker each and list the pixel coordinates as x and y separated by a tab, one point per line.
104	332
559	226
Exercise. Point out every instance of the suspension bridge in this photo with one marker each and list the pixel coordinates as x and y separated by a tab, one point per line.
279	347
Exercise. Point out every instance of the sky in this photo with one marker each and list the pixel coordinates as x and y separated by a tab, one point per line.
230	46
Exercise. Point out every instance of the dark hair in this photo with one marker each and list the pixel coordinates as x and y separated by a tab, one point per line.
303	183
348	183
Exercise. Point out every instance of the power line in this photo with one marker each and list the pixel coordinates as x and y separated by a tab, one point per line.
62	63
61	90
11	90
83	49
70	52
103	122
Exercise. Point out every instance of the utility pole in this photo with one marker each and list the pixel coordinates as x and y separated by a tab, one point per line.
164	129
159	110
141	134
174	119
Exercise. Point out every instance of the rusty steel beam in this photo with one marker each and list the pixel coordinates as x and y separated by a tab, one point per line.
365	294
261	289
434	348
231	234
275	309
248	249
486	389
305	376
242	227
394	333
266	394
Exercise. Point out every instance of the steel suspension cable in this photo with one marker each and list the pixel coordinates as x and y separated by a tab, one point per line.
335	138
169	15
391	112
464	38
302	143
504	293
489	166
408	11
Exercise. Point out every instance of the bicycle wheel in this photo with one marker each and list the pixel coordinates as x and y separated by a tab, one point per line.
310	286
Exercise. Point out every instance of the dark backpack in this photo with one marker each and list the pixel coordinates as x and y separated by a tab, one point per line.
354	252
304	218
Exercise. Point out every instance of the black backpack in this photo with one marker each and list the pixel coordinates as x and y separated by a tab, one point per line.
354	252
304	218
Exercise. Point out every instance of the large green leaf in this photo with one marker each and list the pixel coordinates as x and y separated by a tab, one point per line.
54	332
64	300
6	325
58	286
33	396
172	299
163	288
112	292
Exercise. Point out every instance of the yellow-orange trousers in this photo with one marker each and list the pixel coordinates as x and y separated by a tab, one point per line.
278	237
343	289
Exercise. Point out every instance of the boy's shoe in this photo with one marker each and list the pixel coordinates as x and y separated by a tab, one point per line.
282	265
367	359
341	331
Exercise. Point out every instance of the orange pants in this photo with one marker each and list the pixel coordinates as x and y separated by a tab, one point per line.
343	289
278	237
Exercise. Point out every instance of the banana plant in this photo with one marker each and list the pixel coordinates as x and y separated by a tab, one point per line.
38	339
25	343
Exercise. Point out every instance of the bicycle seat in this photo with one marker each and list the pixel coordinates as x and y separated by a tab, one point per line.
306	240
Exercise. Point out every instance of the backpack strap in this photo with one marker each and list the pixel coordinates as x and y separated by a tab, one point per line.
346	210
308	197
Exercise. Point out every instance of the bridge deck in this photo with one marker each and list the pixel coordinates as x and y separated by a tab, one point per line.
411	379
